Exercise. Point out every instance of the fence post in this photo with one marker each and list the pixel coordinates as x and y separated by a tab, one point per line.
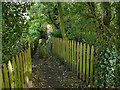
21	70
61	47
15	72
87	66
2	78
78	54
84	61
26	68
6	77
10	74
58	47
18	72
3	82
54	46
91	64
23	60
80	60
70	53
30	61
64	50
72	56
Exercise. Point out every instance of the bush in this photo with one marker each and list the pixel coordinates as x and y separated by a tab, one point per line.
56	33
108	67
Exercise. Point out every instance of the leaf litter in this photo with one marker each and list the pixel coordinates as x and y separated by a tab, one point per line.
50	73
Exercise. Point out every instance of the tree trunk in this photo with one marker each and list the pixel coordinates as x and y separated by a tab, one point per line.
107	16
61	20
118	14
104	31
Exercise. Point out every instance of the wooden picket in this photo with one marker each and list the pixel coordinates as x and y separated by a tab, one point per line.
81	61
2	85
84	48
74	53
10	74
21	70
6	84
67	51
77	55
87	64
17	73
70	52
78	59
91	64
72	56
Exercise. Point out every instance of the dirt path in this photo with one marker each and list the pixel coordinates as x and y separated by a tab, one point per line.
49	73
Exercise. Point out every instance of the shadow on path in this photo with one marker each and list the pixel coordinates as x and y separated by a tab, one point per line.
49	73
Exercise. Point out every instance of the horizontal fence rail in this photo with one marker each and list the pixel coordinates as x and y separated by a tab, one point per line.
79	56
17	73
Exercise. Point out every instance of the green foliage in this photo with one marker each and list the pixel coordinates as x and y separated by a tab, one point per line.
107	67
84	22
37	19
56	33
14	28
34	32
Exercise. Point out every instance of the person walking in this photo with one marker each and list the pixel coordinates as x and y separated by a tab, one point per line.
48	41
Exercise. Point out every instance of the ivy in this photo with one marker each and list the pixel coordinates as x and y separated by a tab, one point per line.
107	67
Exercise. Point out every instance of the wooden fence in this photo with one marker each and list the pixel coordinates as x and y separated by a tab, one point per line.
17	73
79	56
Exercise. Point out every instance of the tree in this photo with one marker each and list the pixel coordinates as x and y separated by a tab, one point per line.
61	20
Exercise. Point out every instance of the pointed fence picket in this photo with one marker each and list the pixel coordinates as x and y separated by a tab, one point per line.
79	56
17	73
